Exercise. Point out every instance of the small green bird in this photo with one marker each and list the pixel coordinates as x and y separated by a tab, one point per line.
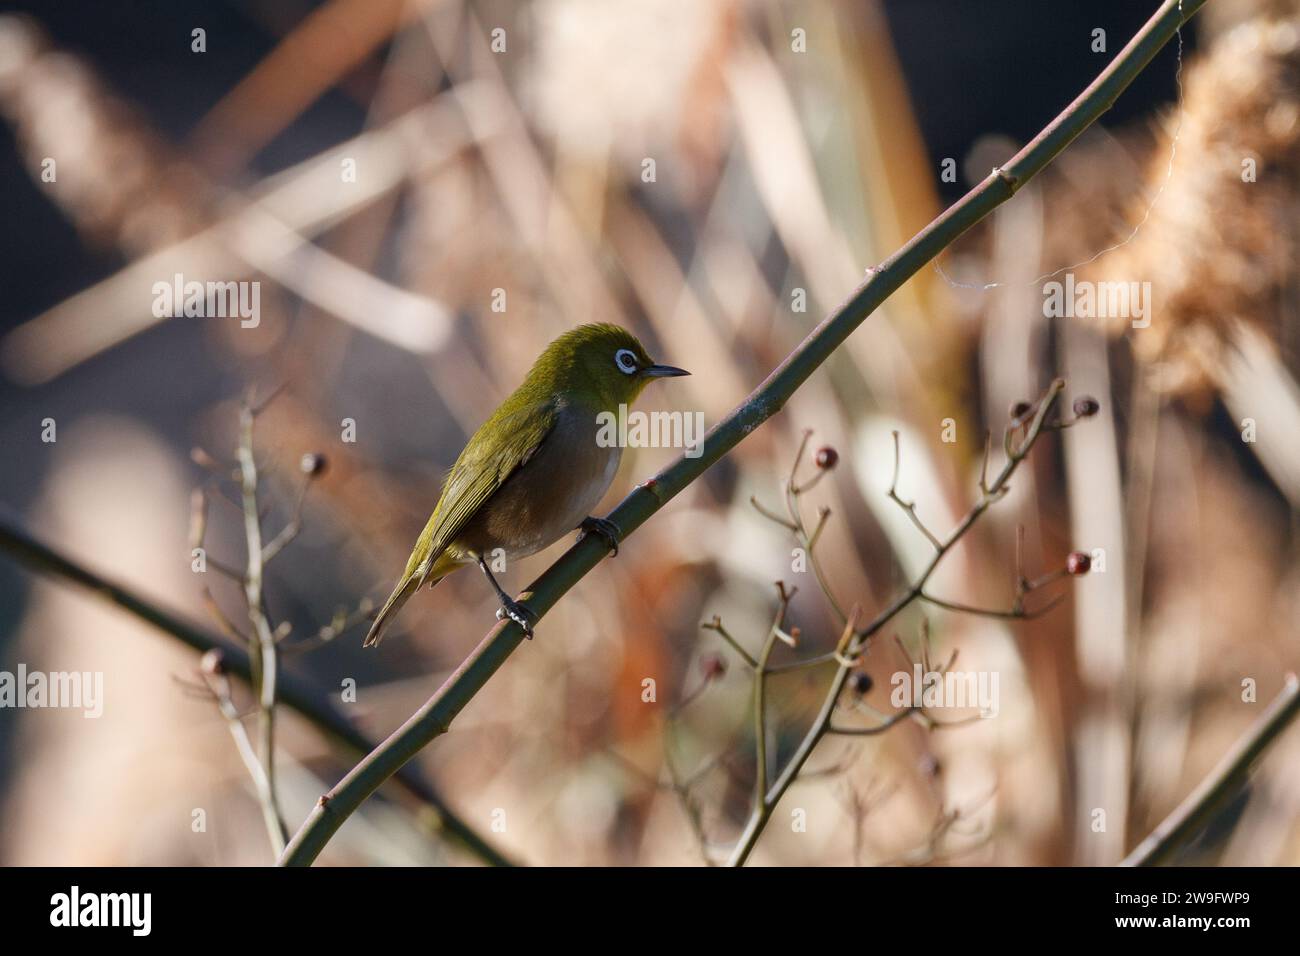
535	469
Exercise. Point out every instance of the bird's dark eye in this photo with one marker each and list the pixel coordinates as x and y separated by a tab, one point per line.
625	359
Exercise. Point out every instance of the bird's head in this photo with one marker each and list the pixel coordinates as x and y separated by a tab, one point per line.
603	364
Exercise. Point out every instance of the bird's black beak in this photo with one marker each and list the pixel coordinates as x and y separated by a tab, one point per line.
663	371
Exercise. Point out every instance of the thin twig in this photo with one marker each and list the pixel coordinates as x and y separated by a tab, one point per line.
1013	614
828	658
795	524
771	515
291	530
909	507
262	650
717	627
886	724
219	687
681	788
760	688
225	570
342	622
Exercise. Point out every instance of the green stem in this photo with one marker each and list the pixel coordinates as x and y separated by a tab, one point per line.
770	397
300	695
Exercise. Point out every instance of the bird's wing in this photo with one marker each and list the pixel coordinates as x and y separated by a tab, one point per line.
502	444
505	442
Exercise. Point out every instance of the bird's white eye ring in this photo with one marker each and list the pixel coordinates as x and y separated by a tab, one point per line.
625	359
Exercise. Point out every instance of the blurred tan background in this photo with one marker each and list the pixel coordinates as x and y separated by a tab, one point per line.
781	173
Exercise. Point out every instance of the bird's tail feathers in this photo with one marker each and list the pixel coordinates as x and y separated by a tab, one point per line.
401	594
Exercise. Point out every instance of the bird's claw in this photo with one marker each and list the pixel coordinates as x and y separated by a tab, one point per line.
603	527
520	614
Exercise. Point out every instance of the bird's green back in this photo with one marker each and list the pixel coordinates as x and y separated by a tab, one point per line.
503	443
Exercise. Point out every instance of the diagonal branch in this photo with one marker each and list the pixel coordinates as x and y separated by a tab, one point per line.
1221	785
436	715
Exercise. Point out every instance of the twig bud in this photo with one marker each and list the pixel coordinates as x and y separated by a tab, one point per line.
826	458
1078	563
1085	406
213	662
862	683
713	666
1019	410
313	464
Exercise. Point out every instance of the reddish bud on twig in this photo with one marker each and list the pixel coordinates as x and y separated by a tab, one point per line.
1020	410
1085	406
1078	563
313	464
827	458
713	666
862	683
